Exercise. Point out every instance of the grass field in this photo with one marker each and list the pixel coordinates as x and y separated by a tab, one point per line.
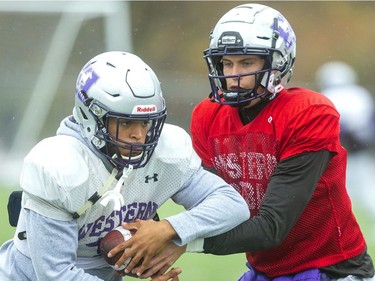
196	267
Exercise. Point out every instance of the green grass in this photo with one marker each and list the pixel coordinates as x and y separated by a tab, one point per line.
7	231
197	267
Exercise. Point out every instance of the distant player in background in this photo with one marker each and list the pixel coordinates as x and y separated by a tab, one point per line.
113	161
339	82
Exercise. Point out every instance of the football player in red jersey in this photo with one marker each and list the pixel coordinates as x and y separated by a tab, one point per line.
280	149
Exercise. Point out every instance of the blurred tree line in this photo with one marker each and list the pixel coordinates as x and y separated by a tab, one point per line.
176	33
171	36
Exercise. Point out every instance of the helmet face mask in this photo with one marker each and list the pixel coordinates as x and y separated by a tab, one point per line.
137	154
218	82
119	86
254	30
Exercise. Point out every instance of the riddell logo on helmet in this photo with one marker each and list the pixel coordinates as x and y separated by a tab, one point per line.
144	109
228	40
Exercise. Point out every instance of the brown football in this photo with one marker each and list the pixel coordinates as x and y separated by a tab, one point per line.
111	240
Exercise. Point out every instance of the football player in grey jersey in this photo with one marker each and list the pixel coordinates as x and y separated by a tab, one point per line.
113	161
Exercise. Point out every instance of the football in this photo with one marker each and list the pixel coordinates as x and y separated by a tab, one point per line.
111	240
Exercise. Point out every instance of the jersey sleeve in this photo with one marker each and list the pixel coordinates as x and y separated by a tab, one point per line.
312	129
207	198
51	172
199	131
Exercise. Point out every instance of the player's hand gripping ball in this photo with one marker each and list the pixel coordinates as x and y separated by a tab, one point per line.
111	240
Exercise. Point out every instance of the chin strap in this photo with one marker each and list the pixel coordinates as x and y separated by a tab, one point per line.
115	194
274	86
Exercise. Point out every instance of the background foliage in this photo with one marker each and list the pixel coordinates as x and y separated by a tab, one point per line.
171	36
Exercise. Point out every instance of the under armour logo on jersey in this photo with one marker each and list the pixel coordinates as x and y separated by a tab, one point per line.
154	177
269	119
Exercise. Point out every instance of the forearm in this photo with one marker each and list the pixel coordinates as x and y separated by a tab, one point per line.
213	208
289	191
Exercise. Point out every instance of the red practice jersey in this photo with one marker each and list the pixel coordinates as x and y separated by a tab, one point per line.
296	121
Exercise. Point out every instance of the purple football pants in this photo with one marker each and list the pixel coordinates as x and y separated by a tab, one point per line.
308	275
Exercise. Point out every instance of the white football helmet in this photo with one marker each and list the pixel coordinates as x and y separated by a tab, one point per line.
251	29
119	85
335	74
